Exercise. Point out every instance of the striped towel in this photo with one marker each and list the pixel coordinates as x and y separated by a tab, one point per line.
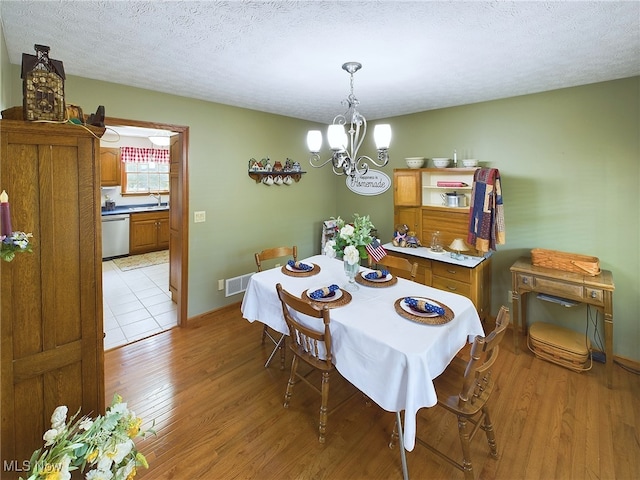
486	216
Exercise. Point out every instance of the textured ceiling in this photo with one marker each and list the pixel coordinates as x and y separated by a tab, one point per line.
285	57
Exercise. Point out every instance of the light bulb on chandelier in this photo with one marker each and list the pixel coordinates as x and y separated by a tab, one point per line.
345	144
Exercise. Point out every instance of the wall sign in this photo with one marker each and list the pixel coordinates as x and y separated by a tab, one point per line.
374	182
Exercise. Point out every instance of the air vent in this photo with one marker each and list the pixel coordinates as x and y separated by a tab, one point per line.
236	285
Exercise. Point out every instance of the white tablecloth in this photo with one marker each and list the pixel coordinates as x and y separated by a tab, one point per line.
389	358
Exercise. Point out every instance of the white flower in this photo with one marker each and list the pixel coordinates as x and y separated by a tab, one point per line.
58	417
98	475
122	450
104	463
49	436
346	231
124	472
329	248
86	424
120	408
351	255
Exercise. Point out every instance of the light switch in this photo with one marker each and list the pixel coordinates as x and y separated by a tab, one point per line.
199	217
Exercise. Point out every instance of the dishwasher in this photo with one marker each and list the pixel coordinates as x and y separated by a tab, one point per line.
115	235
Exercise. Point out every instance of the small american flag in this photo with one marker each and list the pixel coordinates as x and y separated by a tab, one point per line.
376	250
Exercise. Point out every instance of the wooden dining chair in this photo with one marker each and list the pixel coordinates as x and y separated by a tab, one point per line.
396	265
278	342
464	389
312	347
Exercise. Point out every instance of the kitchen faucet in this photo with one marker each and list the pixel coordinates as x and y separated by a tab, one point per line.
158	196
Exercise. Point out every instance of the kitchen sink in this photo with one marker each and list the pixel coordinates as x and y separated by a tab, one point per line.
149	208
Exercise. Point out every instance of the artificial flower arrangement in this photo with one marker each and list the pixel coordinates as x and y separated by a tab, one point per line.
17	242
351	239
101	448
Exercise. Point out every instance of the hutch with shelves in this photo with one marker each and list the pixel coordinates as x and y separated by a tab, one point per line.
418	203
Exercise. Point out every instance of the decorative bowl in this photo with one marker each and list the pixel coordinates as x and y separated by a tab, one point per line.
470	162
415	162
441	162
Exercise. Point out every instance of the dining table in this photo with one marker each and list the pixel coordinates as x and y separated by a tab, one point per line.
379	345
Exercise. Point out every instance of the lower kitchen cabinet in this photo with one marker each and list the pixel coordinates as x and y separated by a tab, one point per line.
148	232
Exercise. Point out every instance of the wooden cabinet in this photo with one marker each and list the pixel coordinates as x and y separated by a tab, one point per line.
409	216
148	232
407	188
51	299
473	283
418	199
110	164
418	203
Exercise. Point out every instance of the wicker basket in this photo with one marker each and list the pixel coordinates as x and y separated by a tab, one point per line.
569	262
560	345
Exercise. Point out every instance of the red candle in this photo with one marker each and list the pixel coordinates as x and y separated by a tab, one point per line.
5	215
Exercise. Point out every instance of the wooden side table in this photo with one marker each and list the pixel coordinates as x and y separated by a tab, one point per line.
596	291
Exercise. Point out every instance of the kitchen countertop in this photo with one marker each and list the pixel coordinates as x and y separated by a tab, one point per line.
424	252
140	208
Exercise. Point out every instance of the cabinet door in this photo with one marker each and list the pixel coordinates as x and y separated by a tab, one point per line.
409	216
109	167
406	188
51	299
143	235
163	233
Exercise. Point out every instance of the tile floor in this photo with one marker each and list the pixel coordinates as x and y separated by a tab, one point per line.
136	303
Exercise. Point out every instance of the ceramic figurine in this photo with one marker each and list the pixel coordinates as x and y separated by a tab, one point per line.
288	165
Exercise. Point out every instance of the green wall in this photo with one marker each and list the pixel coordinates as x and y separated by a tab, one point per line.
5	73
569	161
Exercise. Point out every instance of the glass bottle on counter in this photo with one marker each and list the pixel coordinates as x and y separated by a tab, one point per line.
435	242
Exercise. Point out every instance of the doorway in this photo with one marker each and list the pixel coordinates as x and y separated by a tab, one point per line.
177	266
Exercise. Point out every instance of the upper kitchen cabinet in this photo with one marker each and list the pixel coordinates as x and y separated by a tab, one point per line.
51	299
110	167
406	188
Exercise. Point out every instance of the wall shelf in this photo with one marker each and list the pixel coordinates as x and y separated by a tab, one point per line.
258	175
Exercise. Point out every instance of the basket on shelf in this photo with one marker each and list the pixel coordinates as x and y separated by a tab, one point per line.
569	262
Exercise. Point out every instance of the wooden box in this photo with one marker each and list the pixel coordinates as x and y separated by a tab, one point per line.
560	345
569	262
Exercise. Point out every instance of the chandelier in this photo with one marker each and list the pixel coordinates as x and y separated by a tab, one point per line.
345	159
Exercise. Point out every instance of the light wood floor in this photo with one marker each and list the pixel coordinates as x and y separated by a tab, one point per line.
218	415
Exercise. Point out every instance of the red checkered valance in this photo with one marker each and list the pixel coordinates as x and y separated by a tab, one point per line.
146	155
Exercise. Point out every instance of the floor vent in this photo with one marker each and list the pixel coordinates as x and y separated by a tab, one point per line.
236	285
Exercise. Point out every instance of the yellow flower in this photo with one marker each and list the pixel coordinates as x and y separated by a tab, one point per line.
134	428
92	456
132	474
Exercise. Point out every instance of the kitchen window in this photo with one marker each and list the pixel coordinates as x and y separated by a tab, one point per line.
145	170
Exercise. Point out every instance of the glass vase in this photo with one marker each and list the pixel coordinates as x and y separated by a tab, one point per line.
351	271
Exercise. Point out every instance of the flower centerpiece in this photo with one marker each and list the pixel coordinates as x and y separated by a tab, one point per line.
350	242
17	242
101	448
